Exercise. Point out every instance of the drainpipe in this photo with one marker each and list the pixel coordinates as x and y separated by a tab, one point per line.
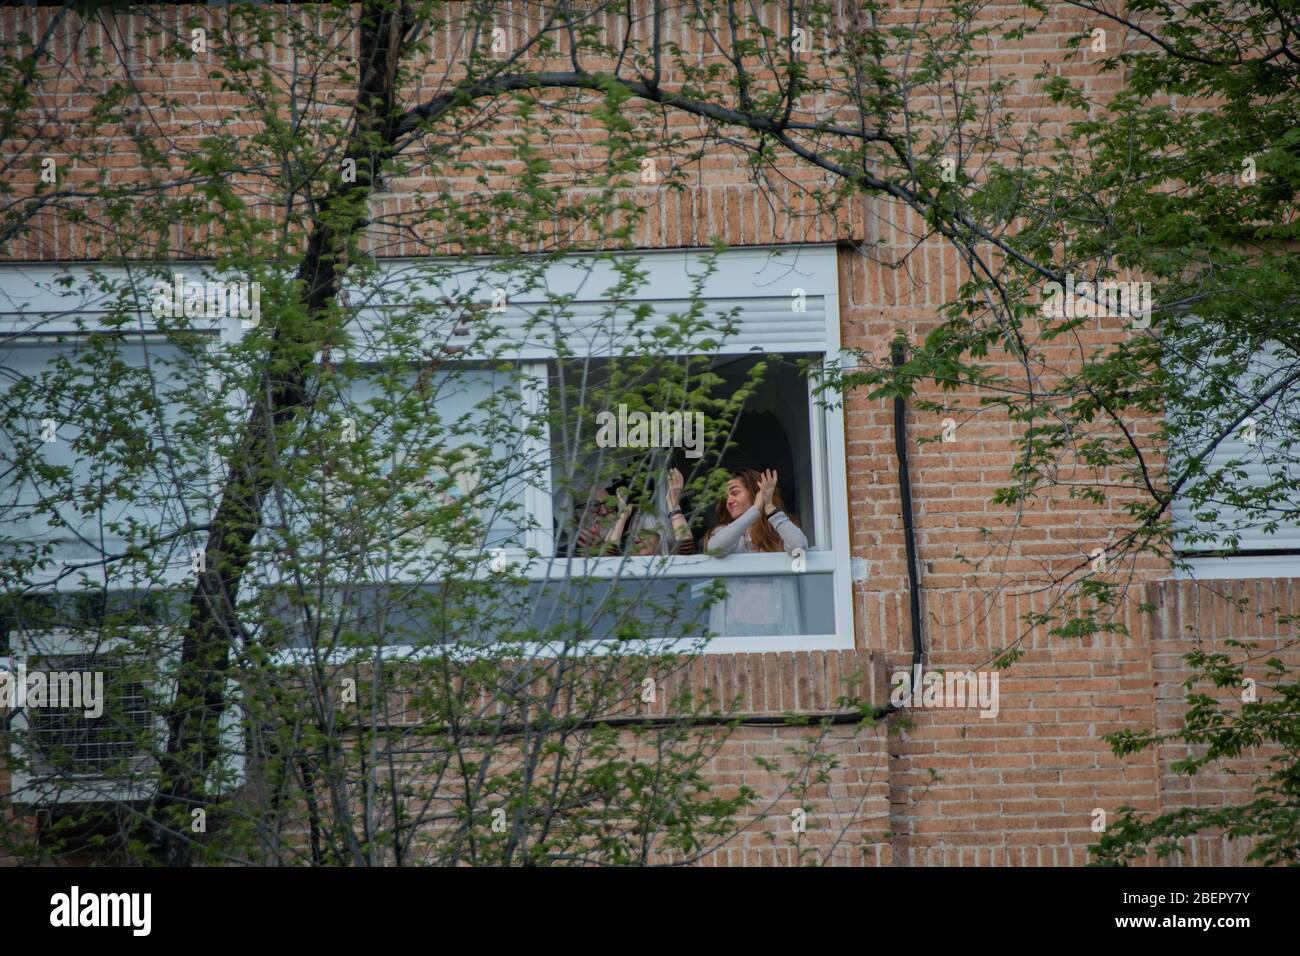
898	354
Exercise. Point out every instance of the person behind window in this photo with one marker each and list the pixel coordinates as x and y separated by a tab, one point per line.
751	518
603	521
647	535
604	534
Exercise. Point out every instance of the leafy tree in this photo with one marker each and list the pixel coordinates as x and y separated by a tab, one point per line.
291	549
1150	186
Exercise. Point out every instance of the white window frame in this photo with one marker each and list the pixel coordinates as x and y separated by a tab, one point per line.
830	555
37	306
740	272
1252	564
93	788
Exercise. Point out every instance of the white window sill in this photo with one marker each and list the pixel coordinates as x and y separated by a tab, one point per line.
777	644
674	566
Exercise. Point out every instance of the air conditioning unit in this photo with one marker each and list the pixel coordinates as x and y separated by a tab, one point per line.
89	723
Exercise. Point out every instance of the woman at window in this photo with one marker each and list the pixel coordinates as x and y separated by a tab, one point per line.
751	518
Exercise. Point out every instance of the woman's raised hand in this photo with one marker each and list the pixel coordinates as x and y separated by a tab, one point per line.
766	489
675	485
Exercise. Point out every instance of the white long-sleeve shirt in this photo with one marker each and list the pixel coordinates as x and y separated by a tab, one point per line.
729	538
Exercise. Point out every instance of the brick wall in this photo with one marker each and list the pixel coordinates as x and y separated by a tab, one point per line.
951	788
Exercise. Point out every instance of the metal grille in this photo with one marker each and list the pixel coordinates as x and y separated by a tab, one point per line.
66	741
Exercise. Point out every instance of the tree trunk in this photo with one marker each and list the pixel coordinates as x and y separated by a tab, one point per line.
194	719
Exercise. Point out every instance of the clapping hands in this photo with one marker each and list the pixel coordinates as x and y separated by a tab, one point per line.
766	490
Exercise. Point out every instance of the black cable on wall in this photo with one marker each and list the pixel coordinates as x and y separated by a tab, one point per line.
898	354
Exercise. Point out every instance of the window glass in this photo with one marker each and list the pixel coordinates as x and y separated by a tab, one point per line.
437	457
99	446
1242	495
753	605
652	609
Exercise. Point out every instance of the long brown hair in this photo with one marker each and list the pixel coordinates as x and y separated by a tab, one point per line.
761	533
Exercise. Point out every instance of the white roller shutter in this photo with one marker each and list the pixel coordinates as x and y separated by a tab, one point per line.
785	297
775	300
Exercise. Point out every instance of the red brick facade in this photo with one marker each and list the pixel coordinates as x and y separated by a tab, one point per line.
1020	789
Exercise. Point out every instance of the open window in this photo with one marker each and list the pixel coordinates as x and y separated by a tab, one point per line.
759	416
587	353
